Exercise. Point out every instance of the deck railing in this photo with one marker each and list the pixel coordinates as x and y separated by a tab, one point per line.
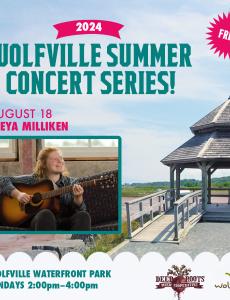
146	208
185	209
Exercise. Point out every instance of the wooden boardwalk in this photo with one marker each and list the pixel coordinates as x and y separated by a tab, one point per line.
162	229
172	221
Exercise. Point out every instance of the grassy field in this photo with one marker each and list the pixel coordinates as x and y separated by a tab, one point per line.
131	191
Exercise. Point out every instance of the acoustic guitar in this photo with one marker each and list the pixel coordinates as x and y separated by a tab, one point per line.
43	195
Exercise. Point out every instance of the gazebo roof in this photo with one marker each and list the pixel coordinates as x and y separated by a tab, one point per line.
217	118
211	141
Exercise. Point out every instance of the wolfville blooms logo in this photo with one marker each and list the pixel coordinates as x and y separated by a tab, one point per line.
219	35
223	285
178	279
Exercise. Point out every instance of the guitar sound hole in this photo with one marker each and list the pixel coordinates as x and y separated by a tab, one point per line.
37	197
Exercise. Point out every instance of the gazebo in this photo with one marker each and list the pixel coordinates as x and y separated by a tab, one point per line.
208	150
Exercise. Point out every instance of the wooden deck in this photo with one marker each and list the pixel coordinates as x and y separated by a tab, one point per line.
217	213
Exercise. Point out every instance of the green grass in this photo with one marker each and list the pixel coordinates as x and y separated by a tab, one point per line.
222	185
106	242
131	191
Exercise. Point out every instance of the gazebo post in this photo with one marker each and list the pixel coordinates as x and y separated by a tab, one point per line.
172	183
209	186
204	186
210	172
204	169
178	172
177	183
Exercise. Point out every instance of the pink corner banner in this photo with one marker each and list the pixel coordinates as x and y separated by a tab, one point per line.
219	35
79	27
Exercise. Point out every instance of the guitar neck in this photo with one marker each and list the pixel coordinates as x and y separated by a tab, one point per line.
66	189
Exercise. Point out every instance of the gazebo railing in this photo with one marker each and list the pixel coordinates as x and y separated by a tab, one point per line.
222	192
146	208
186	209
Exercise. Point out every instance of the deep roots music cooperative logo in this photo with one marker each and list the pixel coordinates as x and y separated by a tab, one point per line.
219	35
179	278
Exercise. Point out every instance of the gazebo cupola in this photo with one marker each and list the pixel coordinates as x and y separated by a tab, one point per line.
208	150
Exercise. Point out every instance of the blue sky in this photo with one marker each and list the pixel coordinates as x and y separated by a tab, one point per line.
150	126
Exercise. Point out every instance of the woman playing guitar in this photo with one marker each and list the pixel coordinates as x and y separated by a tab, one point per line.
69	213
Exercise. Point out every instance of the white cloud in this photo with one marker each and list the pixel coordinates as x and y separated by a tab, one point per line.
85	113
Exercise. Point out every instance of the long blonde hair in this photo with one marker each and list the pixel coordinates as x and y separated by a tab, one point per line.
40	169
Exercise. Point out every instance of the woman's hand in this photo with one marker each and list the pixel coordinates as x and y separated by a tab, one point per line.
78	194
23	198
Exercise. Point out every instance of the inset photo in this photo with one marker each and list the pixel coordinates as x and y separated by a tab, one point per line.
60	185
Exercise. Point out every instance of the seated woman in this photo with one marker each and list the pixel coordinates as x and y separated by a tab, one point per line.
72	214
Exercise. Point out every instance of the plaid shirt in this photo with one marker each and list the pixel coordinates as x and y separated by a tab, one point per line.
67	200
